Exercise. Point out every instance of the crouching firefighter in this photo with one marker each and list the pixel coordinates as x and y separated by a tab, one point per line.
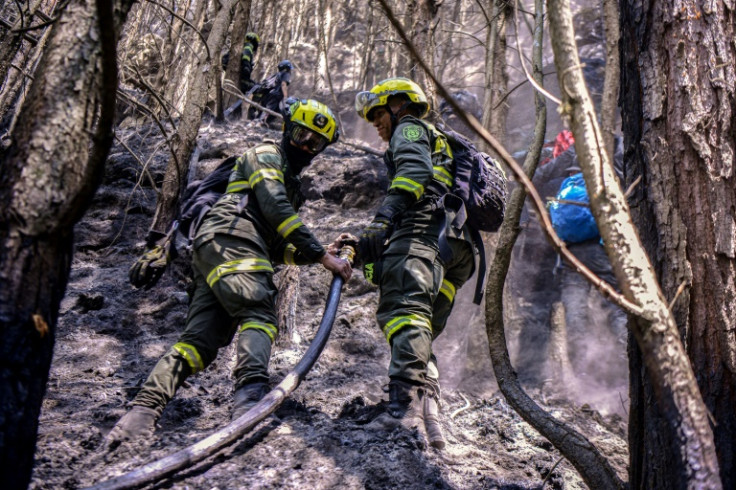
251	227
411	251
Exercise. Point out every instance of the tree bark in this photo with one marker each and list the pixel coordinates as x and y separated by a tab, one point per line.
590	463
241	20
47	179
496	79
685	417
678	102
611	80
177	170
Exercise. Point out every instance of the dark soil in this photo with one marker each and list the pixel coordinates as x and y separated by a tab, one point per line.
110	335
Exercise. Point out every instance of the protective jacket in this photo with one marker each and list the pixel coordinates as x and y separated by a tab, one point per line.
420	168
260	206
417	287
253	225
246	66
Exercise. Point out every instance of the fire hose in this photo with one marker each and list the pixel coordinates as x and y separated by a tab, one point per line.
226	436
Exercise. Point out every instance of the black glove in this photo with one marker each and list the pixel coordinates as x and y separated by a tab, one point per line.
148	269
373	240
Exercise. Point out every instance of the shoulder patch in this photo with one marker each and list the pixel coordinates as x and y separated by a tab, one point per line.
412	132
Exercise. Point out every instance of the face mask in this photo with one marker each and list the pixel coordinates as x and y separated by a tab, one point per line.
298	158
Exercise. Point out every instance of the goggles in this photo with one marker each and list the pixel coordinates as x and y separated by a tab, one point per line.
313	142
365	101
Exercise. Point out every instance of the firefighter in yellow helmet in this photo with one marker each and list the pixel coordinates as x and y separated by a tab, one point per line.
252	226
401	251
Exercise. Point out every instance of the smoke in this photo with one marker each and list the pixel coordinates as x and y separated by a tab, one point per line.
538	344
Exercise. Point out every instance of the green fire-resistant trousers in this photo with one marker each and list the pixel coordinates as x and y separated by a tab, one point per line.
234	291
417	295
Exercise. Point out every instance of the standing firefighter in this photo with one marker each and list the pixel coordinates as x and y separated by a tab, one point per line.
250	47
246	60
400	250
253	225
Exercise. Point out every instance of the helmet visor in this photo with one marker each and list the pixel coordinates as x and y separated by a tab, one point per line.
308	139
365	101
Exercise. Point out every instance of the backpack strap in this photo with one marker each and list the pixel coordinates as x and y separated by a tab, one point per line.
481	270
454	203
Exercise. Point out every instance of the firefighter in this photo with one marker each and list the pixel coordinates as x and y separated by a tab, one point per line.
400	250
251	227
246	60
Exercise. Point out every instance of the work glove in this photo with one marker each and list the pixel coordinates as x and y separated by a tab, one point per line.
148	269
373	240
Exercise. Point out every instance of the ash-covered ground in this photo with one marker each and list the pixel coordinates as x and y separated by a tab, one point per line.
110	335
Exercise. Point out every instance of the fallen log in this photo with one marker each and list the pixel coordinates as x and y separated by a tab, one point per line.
230	434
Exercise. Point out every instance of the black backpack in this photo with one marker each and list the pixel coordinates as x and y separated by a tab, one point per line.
201	195
478	197
479	182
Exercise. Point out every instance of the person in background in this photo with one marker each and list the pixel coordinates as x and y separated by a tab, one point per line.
247	56
271	92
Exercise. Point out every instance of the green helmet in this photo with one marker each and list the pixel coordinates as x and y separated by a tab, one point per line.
378	96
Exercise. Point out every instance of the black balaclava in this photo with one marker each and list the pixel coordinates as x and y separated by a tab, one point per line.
298	158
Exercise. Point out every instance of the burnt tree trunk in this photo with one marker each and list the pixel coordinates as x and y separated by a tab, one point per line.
678	106
47	179
241	20
184	141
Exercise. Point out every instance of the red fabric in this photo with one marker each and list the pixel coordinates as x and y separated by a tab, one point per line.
562	142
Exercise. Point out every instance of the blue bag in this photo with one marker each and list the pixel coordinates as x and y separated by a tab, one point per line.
573	223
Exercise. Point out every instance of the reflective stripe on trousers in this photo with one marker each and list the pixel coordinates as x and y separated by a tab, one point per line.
399	322
239	265
189	352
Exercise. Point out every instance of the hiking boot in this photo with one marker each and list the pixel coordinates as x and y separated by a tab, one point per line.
405	409
247	396
432	415
138	423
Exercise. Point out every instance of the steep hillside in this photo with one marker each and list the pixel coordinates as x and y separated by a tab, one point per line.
110	335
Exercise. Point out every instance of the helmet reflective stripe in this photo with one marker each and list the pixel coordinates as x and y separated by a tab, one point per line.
269	328
240	265
190	353
288	225
395	324
448	290
408	185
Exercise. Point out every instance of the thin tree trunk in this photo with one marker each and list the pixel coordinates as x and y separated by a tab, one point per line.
490	52
611	81
590	463
237	40
175	176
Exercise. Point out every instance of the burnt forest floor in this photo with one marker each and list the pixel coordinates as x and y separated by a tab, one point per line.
110	335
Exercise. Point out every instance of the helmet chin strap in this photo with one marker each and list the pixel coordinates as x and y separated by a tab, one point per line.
394	115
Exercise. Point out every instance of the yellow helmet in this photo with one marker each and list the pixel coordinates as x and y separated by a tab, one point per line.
252	37
378	96
314	116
